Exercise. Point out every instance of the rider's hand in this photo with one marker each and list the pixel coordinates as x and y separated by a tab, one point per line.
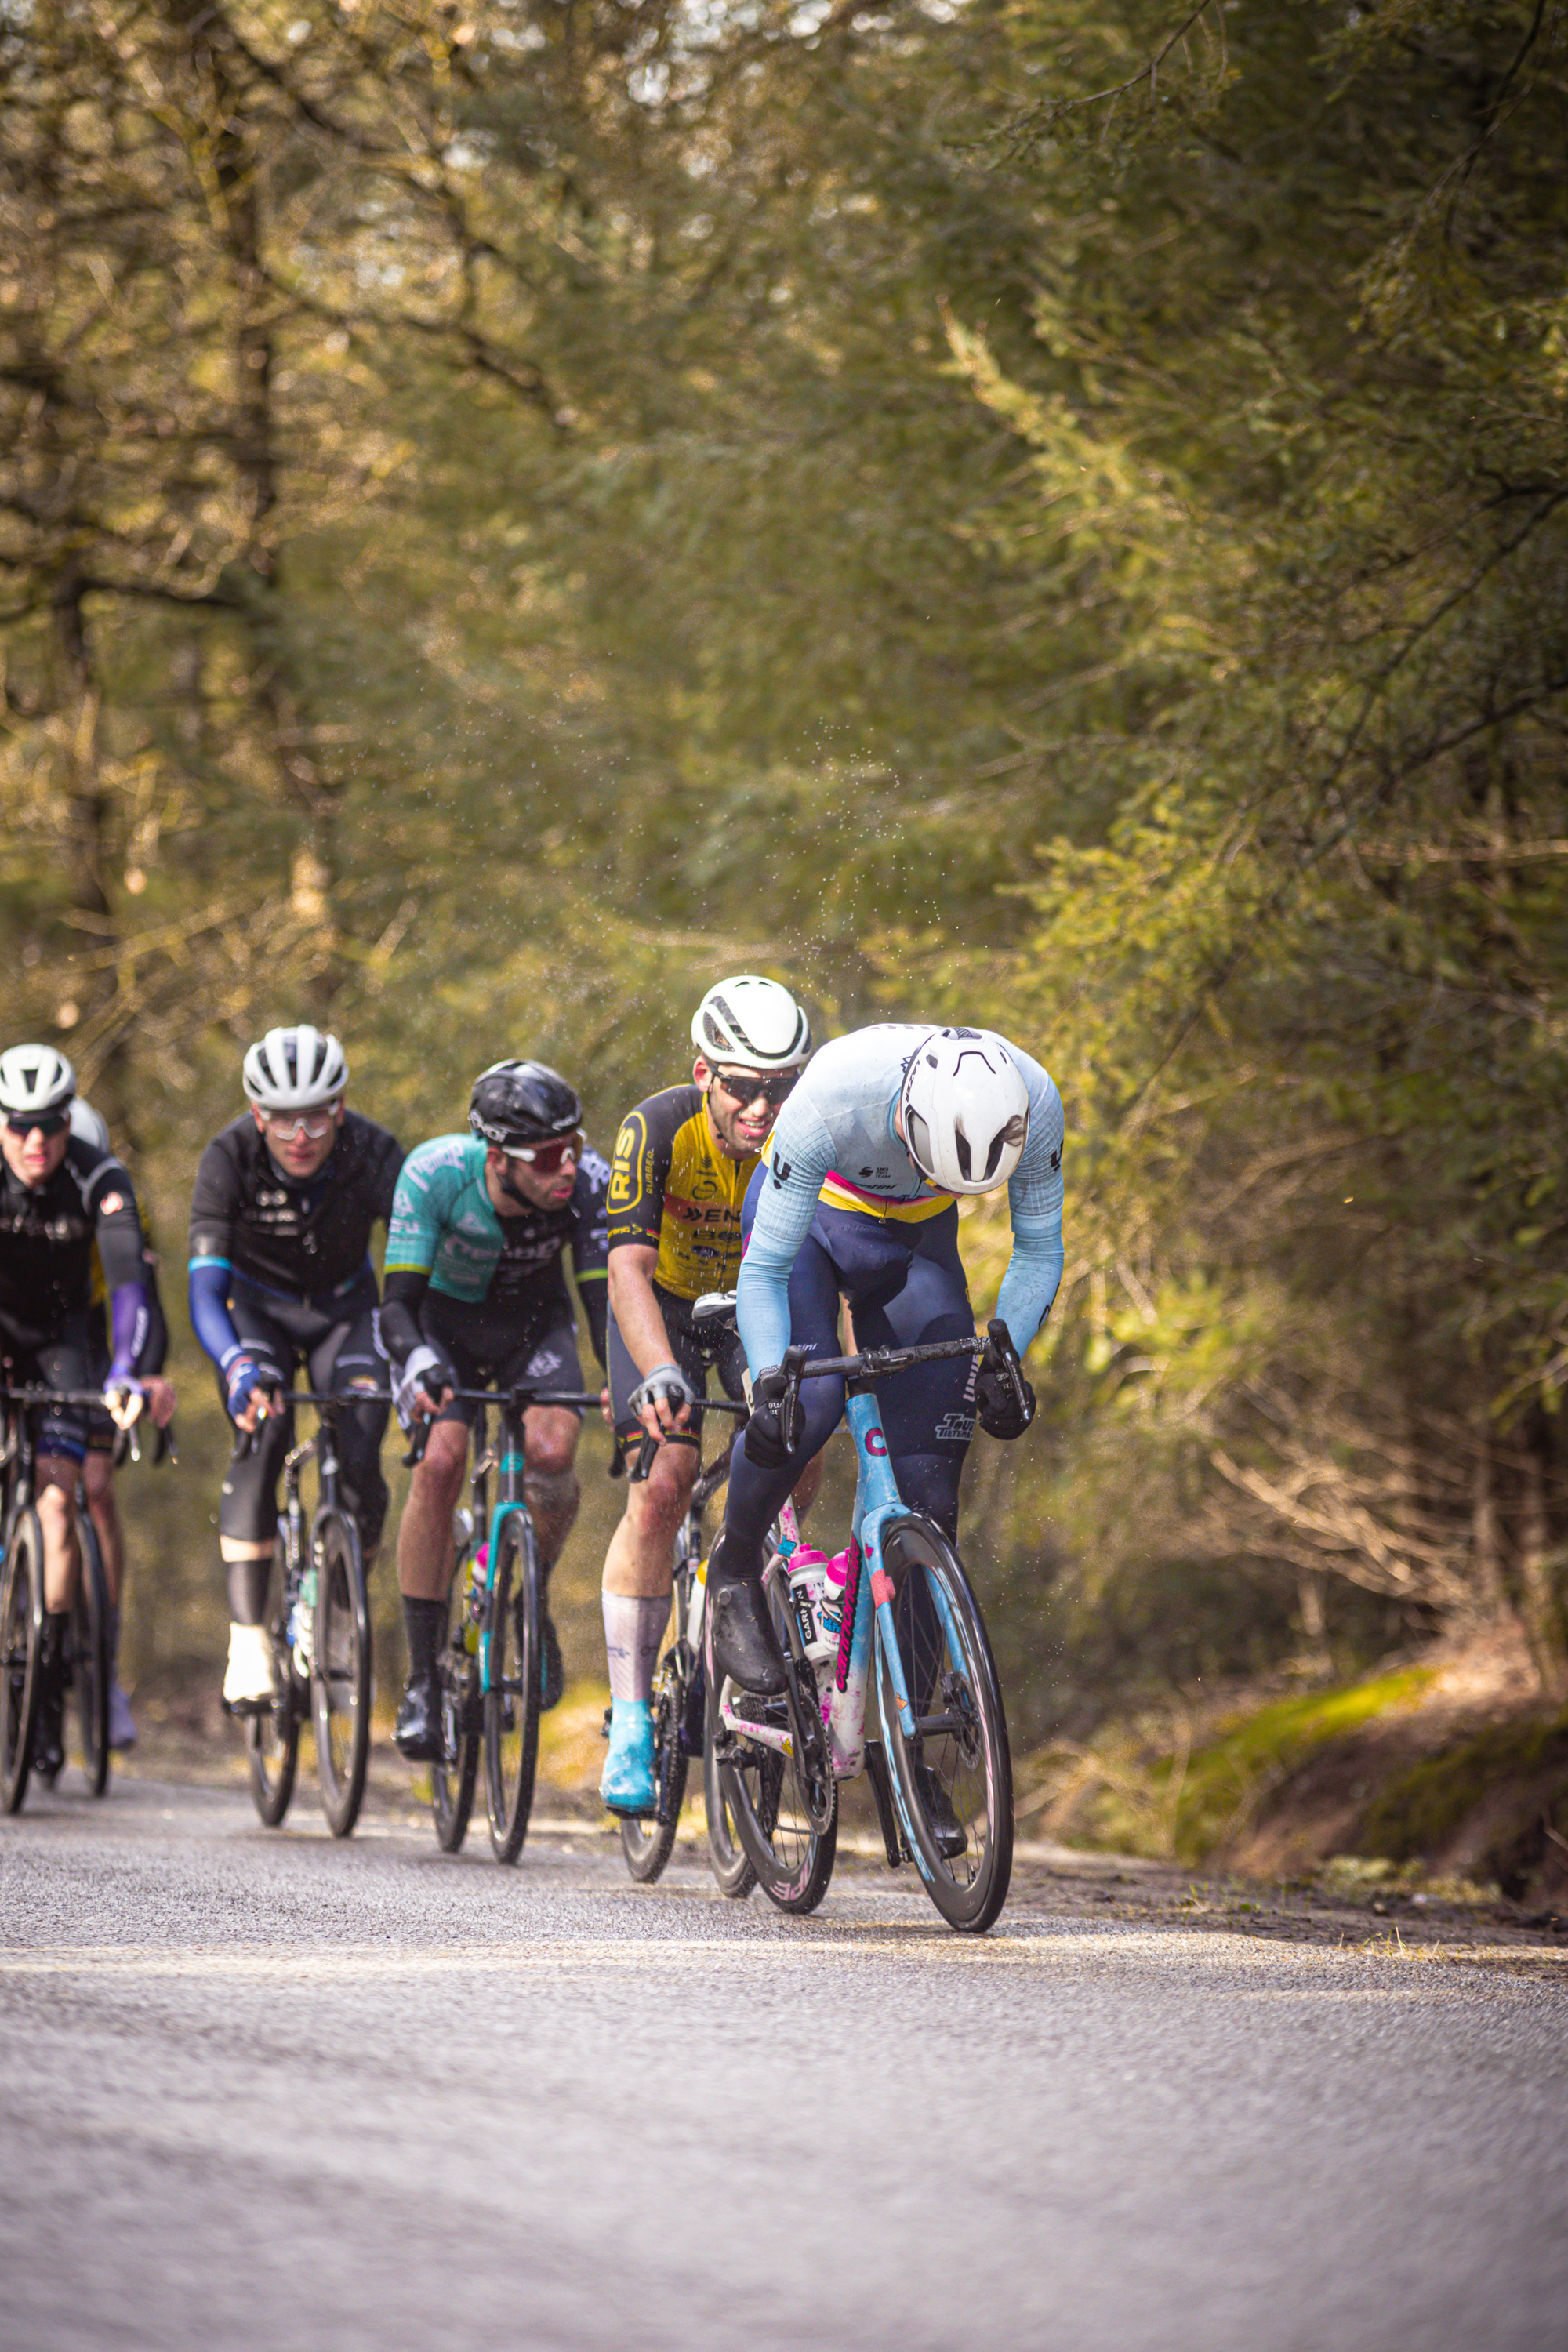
774	1430
250	1391
161	1399
663	1399
428	1401
1003	1398
125	1400
605	1415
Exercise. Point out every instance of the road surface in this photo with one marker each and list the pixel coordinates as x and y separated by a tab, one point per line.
260	2089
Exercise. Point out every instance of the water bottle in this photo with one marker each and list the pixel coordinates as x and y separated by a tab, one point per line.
835	1578
807	1574
479	1596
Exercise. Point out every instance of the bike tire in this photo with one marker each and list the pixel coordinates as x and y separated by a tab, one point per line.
91	1663
341	1670
970	1767
21	1634
516	1674
727	1857
454	1774
647	1842
792	1856
272	1737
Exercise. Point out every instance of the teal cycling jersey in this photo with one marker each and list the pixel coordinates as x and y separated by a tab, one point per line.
443	1225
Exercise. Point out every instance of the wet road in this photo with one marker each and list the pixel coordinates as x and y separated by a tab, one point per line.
263	2090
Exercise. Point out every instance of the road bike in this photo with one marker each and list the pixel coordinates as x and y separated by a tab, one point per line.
320	1634
490	1672
89	1654
909	1624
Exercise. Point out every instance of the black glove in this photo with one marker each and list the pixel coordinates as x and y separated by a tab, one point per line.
1002	1397
774	1431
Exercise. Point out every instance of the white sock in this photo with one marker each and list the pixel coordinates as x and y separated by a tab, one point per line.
634	1636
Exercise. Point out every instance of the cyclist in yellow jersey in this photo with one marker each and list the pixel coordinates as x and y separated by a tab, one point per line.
683	1160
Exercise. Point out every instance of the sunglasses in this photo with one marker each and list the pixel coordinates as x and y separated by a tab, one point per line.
746	1086
48	1123
545	1158
285	1130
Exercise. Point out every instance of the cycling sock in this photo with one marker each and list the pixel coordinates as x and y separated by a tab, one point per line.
248	1583
424	1623
634	1635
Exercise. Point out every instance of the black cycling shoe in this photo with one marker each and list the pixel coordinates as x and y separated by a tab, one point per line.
745	1646
49	1722
553	1681
418	1731
944	1824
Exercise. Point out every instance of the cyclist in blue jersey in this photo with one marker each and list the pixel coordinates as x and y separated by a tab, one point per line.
857	1198
476	1297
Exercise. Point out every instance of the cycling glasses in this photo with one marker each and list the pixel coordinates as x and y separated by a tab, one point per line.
745	1086
285	1130
545	1158
37	1122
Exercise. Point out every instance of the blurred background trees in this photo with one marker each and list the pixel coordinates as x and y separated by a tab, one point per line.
1046	514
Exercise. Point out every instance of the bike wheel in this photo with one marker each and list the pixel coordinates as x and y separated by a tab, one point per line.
455	1772
341	1670
648	1844
727	1856
953	1781
21	1633
90	1665
772	1805
512	1701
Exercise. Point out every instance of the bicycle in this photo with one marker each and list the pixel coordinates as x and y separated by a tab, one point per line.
941	1773
320	1636
89	1660
491	1667
679	1712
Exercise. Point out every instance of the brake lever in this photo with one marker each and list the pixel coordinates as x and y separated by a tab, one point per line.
418	1439
638	1471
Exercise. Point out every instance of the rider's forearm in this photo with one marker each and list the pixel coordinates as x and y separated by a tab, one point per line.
401	1295
210	1317
636	1310
129	1324
1034	1273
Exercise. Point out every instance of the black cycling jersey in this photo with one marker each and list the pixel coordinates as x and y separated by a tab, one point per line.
303	1240
46	1237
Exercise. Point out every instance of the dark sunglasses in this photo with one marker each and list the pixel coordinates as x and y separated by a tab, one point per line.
744	1086
545	1158
37	1122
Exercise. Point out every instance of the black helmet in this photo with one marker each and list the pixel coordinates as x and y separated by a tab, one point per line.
517	1103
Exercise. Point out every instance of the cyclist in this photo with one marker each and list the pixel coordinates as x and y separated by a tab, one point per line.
858	1197
281	1274
59	1196
683	1160
476	1296
98	1470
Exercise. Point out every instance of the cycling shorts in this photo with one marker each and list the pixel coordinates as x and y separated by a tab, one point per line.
488	1349
698	1348
63	1361
339	1357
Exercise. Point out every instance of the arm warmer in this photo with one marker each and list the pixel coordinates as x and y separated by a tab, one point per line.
595	1293
210	1318
401	1293
1034	1272
802	1154
130	1329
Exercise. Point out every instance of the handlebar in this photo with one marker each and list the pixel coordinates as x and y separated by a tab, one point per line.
126	1441
511	1400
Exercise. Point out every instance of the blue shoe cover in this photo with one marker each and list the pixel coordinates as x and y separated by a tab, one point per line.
626	1786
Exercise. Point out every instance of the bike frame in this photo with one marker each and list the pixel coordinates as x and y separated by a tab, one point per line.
507	1457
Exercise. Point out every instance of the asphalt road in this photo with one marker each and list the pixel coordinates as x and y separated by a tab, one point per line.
258	2089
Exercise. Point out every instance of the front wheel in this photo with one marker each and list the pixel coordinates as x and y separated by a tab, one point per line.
90	1662
341	1670
516	1674
787	1822
455	1770
21	1634
953	1779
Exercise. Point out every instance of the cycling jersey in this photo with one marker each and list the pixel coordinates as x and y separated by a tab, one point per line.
835	1144
299	1238
447	1235
47	1238
673	1189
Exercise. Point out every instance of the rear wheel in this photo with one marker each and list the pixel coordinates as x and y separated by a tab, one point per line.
91	1663
341	1670
516	1671
727	1856
649	1841
787	1822
272	1737
953	1780
21	1633
455	1770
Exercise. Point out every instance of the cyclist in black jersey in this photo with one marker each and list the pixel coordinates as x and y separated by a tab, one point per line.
683	1160
476	1296
281	1272
60	1197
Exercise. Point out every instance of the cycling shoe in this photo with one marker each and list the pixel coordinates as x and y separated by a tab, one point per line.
48	1723
552	1665
745	1646
418	1731
626	1783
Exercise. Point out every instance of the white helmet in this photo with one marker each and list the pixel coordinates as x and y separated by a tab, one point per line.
753	1023
89	1125
295	1069
35	1078
965	1109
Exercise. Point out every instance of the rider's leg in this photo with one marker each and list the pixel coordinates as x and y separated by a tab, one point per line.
425	1556
55	1505
349	1360
98	1479
247	1514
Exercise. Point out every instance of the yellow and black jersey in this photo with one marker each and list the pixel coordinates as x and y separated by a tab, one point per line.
674	1190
